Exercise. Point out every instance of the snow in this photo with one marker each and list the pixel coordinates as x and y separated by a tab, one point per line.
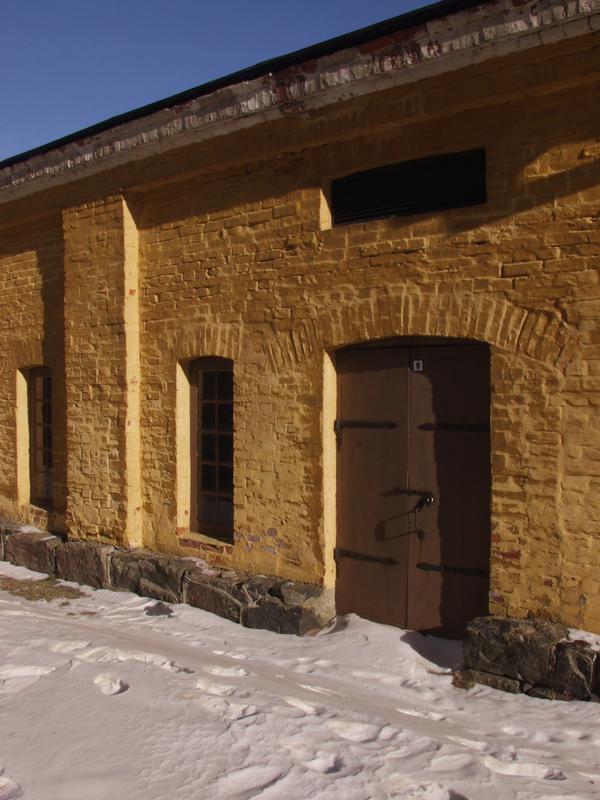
101	699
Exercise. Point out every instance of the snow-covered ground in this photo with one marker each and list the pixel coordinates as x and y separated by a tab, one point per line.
101	701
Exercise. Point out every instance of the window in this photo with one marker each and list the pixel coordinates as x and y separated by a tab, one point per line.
429	184
211	383
40	435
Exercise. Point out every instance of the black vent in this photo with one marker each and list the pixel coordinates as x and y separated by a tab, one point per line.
453	180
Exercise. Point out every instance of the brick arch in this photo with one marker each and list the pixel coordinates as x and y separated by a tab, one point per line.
537	334
207	339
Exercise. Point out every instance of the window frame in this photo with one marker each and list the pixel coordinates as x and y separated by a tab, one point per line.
39	454
197	370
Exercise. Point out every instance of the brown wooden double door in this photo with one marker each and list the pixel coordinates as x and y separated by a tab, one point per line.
414	483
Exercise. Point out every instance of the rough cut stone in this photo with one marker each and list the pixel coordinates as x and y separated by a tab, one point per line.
84	562
515	648
7	528
222	596
258	601
149	589
128	568
468	677
575	670
273	615
34	550
543	693
158	609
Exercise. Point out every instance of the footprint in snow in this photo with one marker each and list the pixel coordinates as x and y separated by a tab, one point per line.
359	732
68	646
453	763
317	689
401	788
542	737
237	656
307	708
9	790
423	714
524	770
210	687
110	685
410	746
325	763
14	678
246	783
225	710
227	672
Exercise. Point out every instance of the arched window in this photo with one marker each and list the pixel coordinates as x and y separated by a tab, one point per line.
211	395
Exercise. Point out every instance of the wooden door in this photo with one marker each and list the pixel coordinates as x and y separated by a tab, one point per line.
372	436
450	459
414	485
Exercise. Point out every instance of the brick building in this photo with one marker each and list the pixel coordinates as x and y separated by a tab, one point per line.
333	318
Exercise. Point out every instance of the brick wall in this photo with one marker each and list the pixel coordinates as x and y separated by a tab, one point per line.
234	261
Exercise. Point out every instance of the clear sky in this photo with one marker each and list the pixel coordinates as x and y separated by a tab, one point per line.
66	64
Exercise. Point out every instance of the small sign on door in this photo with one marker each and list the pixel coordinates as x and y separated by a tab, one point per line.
417	365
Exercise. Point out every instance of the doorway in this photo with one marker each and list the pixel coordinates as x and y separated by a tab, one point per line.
414	482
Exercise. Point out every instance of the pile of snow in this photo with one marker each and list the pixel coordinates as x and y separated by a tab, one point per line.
101	700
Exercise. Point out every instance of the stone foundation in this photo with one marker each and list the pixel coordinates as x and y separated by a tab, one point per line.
531	656
256	601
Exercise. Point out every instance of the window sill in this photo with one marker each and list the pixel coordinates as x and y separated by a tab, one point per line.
209	539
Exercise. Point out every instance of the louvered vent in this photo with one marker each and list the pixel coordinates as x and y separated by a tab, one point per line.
436	183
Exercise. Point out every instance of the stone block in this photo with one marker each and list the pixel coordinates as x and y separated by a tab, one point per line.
273	615
149	589
288	607
84	562
468	677
223	596
162	574
515	648
575	670
544	693
34	550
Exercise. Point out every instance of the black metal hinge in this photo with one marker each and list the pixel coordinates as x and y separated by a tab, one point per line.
386	561
470	571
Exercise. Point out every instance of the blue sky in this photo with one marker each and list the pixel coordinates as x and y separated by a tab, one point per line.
66	64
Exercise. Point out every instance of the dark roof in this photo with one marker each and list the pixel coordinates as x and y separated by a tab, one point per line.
419	16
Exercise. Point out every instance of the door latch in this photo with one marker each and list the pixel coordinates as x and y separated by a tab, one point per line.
425	501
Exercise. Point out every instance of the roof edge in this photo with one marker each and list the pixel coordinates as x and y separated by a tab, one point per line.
417	16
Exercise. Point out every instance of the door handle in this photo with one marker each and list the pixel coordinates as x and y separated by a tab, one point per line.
424	501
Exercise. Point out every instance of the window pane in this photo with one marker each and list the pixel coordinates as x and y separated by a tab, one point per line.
226	449
209	478
47	437
208	416
225	385
40	432
225	513
225	417
226	479
209	447
209	385
209	509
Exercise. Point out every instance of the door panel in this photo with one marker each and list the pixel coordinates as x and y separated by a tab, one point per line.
414	420
450	457
372	548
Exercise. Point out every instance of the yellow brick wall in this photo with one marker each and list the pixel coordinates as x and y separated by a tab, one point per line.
31	334
233	261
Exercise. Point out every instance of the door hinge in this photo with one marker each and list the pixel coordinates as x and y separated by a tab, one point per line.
385	561
470	571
